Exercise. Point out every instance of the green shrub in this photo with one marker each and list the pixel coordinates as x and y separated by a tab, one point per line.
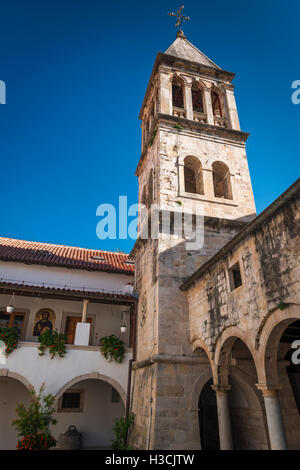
33	423
120	429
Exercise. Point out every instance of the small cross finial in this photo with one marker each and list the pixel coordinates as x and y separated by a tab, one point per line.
180	18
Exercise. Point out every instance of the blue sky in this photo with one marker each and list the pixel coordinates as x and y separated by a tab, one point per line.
76	72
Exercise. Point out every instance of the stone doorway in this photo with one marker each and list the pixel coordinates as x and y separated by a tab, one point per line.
208	418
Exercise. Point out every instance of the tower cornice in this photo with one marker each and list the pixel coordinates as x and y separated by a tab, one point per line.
186	124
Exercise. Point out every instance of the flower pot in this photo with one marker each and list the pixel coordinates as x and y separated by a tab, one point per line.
10	309
123	329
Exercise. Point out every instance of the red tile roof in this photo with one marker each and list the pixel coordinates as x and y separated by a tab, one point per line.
64	256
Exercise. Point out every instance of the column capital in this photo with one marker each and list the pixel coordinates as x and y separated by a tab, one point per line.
206	85
269	391
221	389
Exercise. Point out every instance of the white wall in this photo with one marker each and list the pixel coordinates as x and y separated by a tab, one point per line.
61	277
58	372
96	420
12	392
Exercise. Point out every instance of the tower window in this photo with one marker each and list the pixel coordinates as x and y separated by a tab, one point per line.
197	99
216	104
177	95
193	178
221	180
235	277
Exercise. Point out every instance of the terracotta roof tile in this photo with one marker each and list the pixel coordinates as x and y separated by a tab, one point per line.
65	256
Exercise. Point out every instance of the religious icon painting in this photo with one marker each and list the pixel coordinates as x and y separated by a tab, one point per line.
44	320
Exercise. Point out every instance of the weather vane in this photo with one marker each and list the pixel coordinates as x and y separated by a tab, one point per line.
180	18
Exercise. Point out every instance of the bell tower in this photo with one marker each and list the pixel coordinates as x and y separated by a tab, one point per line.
193	160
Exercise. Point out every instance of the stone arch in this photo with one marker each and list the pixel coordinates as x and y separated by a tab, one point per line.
199	383
18	377
188	153
269	340
95	376
223	349
221	180
193	175
199	344
231	333
179	76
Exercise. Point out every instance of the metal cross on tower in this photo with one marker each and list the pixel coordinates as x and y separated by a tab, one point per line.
180	18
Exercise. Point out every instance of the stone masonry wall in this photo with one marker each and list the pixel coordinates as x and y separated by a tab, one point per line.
269	263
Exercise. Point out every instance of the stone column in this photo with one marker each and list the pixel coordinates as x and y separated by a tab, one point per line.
231	107
82	333
274	417
223	416
84	310
181	182
208	106
208	182
188	101
165	93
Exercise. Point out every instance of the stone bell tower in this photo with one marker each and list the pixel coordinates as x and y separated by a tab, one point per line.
193	161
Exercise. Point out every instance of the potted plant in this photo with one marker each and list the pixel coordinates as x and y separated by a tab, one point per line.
112	348
11	306
53	341
33	423
10	337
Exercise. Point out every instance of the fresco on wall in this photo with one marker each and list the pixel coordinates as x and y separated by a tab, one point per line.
44	320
